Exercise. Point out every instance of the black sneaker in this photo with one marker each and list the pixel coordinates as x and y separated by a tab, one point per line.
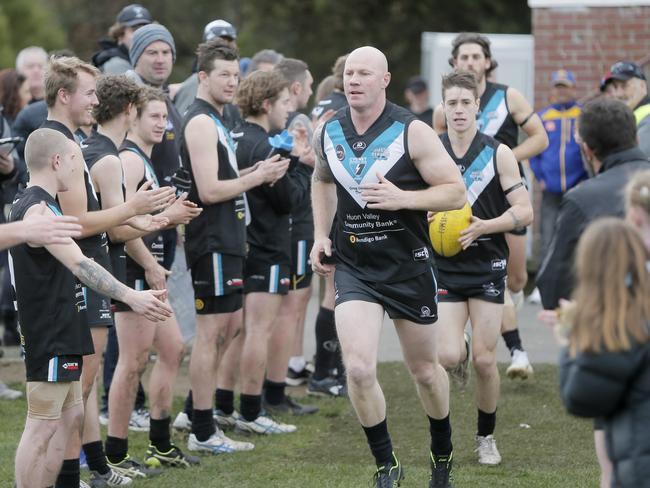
326	387
174	458
290	406
132	469
297	378
389	475
440	471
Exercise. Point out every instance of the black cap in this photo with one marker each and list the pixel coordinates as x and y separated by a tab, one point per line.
625	70
219	28
416	84
133	15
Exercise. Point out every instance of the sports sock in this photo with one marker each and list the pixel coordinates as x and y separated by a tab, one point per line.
116	449
326	340
486	423
203	424
250	406
224	400
69	474
188	408
440	430
159	434
380	443
274	392
297	363
95	457
512	340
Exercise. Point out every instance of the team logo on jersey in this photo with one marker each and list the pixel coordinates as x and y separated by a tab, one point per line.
359	146
340	152
71	366
425	312
490	290
421	254
498	264
357	166
199	304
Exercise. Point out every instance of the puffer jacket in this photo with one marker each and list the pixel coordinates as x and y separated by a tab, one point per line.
616	387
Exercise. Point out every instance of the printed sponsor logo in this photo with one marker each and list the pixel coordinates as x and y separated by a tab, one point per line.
340	152
257	277
359	146
498	264
421	254
353	239
490	290
380	153
285	281
549	125
241	215
461	168
442	291
425	312
71	366
476	176
235	282
199	304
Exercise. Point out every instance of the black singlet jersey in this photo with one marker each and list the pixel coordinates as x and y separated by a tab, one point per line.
50	301
334	101
494	117
153	240
379	245
96	147
165	155
96	245
268	234
221	227
487	256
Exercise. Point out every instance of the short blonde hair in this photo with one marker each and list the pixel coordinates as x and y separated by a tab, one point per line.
62	73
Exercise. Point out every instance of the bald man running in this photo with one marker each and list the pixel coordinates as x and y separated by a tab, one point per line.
379	170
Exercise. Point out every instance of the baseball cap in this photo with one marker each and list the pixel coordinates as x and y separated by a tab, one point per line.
625	70
607	77
219	28
133	15
416	84
563	77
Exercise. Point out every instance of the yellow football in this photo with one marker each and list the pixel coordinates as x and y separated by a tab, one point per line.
445	228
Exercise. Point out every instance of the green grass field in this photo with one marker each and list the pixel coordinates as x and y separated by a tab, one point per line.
541	445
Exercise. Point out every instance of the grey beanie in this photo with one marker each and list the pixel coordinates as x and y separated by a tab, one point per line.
146	35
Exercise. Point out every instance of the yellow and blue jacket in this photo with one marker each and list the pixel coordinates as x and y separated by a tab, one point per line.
560	165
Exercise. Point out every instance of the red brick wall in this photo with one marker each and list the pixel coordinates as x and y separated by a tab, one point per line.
587	41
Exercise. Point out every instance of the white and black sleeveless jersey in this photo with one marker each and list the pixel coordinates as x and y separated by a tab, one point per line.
379	245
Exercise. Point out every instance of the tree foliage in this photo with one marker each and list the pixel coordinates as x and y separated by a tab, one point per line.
317	31
27	23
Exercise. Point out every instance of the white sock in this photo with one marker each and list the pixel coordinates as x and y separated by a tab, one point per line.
297	363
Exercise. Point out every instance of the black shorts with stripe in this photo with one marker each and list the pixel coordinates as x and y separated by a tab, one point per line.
218	282
301	272
264	277
413	299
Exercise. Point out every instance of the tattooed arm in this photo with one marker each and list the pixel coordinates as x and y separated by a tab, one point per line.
147	303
